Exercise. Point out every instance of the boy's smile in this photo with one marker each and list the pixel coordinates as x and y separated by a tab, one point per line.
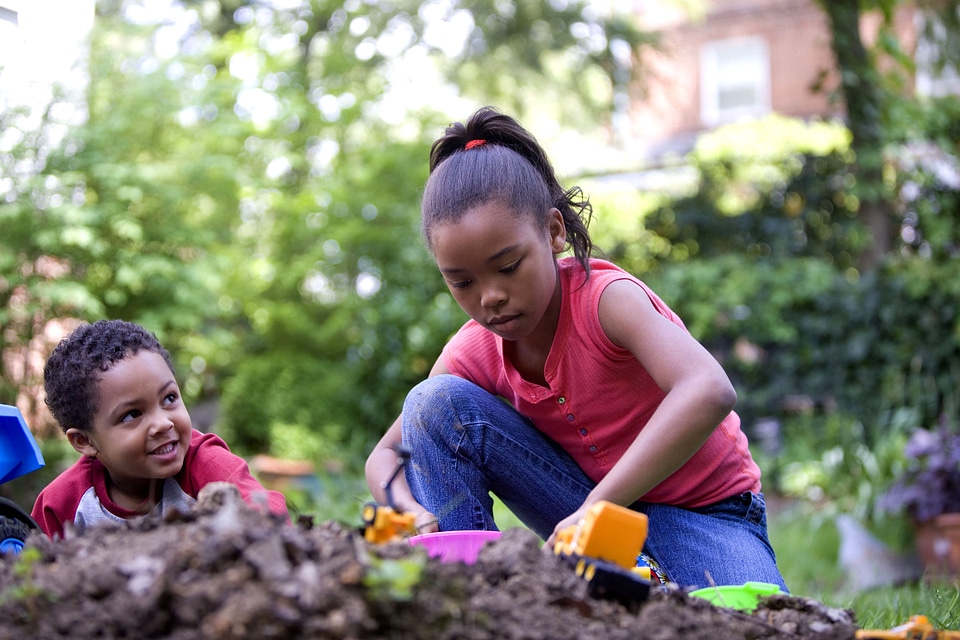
500	267
141	429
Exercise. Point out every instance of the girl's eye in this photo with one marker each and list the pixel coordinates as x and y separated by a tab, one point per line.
460	284
511	268
170	398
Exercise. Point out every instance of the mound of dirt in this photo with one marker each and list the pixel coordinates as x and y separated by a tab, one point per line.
226	571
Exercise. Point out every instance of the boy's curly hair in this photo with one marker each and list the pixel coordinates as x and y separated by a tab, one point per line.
74	369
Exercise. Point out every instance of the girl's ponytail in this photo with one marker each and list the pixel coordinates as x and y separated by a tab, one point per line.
484	172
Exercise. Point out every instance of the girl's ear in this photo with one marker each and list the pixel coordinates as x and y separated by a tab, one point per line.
557	230
81	442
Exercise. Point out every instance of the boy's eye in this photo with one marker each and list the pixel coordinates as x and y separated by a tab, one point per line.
130	415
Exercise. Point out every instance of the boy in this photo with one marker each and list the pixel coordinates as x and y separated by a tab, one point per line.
111	387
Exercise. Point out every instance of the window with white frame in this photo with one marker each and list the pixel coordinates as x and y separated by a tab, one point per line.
734	80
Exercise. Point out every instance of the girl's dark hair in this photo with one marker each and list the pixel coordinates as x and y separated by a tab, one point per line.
74	368
509	167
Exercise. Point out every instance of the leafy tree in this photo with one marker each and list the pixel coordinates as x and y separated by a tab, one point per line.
344	312
246	186
126	217
870	97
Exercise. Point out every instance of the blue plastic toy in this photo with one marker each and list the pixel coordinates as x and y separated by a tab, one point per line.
19	455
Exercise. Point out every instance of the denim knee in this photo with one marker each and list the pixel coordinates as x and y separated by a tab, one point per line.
434	394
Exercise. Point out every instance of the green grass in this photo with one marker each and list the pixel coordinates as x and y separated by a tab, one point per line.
807	546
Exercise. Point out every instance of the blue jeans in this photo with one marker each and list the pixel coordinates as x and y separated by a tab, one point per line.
467	444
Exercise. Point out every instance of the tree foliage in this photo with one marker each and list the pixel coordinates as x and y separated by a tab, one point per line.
246	184
827	274
760	259
246	181
871	94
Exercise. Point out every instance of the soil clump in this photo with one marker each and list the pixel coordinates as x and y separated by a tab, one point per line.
224	570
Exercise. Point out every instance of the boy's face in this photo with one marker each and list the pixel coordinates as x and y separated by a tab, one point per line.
141	429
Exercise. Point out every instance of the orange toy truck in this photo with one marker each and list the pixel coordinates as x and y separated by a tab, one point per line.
603	547
917	628
384	523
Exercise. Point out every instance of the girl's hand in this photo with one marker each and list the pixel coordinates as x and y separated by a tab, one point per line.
426	522
571	520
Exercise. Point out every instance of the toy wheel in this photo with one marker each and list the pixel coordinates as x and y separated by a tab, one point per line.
15	525
13	535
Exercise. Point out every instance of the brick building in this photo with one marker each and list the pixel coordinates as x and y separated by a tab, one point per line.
739	58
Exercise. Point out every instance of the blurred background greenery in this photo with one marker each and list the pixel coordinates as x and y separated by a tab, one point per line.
244	182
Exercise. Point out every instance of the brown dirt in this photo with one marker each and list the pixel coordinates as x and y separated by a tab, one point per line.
225	571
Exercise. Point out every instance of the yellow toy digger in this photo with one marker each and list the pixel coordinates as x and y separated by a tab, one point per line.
383	523
916	628
604	548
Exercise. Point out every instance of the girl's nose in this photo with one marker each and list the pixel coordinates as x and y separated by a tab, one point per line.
492	297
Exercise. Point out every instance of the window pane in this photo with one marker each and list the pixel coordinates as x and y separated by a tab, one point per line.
737	97
734	80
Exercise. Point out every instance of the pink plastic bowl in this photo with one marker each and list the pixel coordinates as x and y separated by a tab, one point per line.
455	546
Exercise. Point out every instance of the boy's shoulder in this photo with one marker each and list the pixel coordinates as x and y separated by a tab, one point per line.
61	497
76	478
208	457
207	443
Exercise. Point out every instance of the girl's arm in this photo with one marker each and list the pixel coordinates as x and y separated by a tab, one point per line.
381	464
699	395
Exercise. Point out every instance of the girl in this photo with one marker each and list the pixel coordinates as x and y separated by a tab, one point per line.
608	397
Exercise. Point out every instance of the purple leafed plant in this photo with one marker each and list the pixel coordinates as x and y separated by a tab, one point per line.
930	486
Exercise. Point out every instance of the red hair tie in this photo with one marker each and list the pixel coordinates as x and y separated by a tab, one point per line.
473	144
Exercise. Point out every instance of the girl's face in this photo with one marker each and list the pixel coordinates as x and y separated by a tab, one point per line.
501	268
141	429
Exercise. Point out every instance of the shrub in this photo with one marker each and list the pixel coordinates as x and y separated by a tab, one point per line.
930	483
